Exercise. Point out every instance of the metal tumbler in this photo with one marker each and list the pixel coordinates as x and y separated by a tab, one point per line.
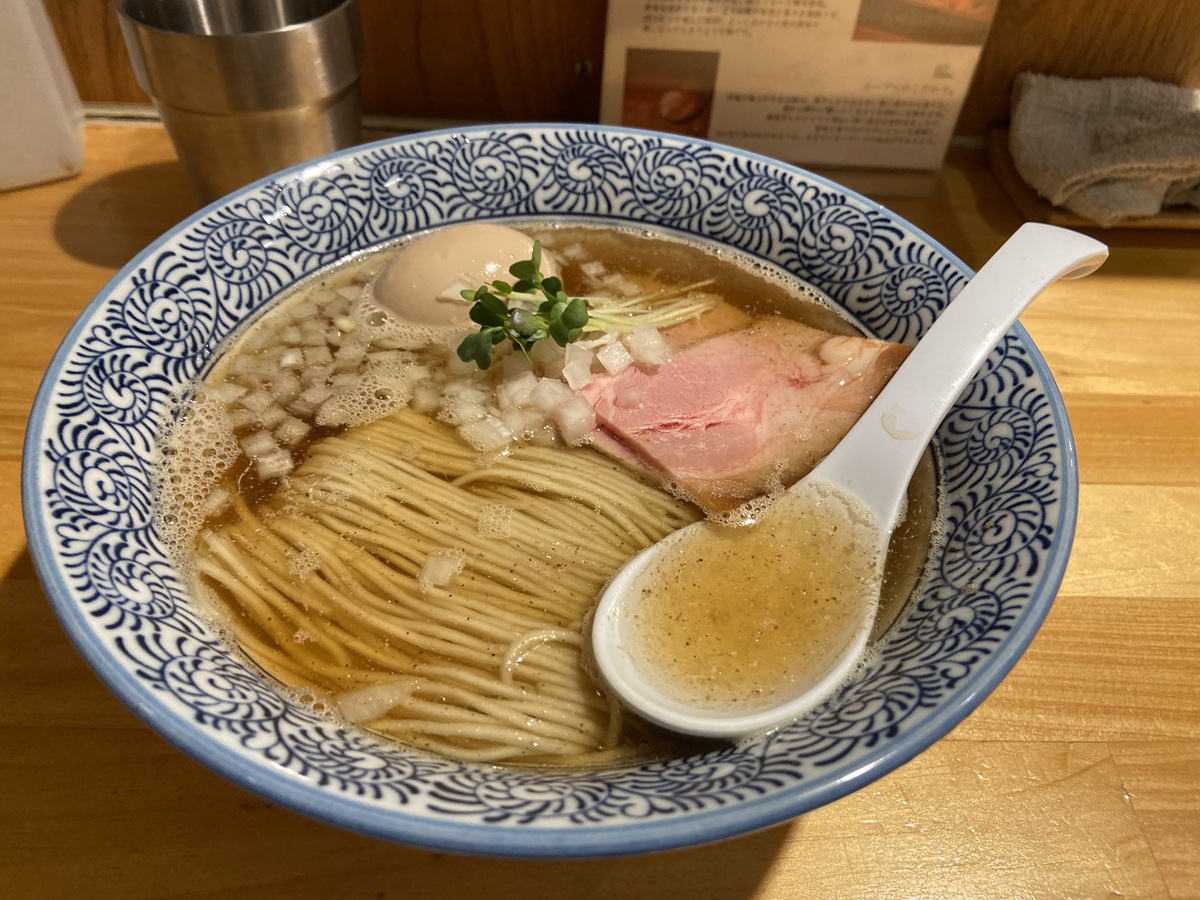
248	87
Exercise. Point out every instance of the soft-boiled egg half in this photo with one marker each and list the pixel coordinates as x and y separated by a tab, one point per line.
422	284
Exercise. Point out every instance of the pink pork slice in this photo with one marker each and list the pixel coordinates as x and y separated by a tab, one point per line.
728	418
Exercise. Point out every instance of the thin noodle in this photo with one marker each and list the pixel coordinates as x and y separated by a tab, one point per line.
324	581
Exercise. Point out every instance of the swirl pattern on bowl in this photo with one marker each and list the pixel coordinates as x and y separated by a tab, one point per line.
1006	457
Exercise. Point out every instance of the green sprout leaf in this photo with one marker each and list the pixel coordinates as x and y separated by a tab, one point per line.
525	270
560	332
476	348
557	316
576	313
506	311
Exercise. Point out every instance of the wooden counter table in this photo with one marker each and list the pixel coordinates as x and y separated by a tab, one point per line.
1078	777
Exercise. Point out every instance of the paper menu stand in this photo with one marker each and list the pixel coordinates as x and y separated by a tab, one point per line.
869	88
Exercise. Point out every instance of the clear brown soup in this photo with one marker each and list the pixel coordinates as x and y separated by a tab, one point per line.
280	633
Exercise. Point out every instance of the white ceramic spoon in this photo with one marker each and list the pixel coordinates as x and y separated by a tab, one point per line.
865	478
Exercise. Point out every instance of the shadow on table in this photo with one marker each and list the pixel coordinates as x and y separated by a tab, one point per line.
93	797
108	221
96	801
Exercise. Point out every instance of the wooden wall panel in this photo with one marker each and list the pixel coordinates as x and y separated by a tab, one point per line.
91	41
483	59
511	60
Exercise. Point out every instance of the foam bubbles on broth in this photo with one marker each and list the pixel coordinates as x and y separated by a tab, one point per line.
363	420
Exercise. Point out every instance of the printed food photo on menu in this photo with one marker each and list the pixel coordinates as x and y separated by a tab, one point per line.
956	22
669	90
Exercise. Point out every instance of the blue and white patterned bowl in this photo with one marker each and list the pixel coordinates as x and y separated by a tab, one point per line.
1008	471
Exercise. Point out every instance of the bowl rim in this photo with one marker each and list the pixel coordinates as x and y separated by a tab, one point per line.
283	787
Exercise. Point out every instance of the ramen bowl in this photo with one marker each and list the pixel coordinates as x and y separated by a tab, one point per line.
1006	467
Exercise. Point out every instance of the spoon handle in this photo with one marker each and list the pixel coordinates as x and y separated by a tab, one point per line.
876	459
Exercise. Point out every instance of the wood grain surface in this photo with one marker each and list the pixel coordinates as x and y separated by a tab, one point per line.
540	60
1078	777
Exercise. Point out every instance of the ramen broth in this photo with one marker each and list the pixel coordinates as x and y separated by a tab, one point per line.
358	541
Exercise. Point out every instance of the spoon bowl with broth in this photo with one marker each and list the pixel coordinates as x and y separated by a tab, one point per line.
726	631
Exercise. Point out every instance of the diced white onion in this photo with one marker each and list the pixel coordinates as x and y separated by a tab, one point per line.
321	296
285	386
271	416
578	353
218	498
575	419
545	353
240	418
275	464
465	387
373	700
577	366
549	393
312	333
647	346
291	358
453	290
317	355
614	357
257	401
463	401
317	393
260	443
515	391
338	306
513	418
426	398
260	339
349	356
224	393
315	374
304	309
577	373
523	422
291	430
253	364
459	410
439	568
553	369
486	433
617	284
302	408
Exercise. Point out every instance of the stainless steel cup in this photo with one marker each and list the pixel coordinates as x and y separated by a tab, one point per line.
248	87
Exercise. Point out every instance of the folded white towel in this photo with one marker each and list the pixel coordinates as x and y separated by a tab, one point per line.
1108	149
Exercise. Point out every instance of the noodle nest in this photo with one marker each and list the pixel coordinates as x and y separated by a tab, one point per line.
433	600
